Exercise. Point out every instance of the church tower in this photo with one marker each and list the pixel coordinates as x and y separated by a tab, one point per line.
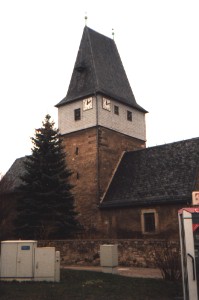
98	119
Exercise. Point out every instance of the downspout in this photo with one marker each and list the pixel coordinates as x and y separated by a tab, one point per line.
97	153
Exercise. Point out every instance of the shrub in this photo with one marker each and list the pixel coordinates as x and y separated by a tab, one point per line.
167	259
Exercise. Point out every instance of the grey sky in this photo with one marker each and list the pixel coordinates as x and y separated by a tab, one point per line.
158	44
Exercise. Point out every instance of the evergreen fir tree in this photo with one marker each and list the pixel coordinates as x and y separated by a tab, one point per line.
46	204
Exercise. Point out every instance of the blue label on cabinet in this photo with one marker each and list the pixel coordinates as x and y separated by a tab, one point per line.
25	247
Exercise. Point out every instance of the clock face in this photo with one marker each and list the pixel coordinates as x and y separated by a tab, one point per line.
106	104
88	103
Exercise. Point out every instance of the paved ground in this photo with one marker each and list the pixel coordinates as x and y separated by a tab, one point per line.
124	271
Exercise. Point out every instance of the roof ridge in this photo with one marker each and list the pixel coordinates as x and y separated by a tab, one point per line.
93	61
164	145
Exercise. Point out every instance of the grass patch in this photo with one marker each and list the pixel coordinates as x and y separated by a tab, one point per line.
87	285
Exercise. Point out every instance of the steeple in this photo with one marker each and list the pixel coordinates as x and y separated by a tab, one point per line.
98	120
99	70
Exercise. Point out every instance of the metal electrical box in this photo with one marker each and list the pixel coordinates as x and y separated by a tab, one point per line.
22	260
47	264
109	258
17	259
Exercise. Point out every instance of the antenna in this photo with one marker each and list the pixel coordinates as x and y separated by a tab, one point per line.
113	33
85	18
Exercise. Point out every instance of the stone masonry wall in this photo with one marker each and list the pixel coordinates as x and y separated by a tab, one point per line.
135	253
81	149
111	147
92	156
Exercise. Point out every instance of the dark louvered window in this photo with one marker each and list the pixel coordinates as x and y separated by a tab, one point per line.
77	114
129	115
149	222
76	150
116	110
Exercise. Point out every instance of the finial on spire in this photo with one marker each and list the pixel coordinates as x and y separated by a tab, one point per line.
85	18
113	33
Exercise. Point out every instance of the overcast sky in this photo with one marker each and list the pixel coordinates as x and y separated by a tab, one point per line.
158	41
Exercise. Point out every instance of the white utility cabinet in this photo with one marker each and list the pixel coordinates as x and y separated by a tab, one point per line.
47	264
17	259
108	255
23	260
109	258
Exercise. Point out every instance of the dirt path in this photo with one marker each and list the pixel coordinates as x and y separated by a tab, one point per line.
124	271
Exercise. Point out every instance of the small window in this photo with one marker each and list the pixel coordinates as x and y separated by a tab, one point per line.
77	151
77	114
116	109
129	115
149	221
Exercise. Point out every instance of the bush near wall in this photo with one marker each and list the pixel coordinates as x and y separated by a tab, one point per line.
134	253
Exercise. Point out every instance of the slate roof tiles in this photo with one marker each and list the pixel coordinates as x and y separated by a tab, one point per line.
12	180
161	174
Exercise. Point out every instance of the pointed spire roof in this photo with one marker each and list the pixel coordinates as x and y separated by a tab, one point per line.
99	70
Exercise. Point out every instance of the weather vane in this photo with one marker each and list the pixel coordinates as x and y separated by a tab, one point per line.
113	33
85	18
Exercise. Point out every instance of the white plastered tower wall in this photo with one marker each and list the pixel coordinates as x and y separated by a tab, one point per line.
97	116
